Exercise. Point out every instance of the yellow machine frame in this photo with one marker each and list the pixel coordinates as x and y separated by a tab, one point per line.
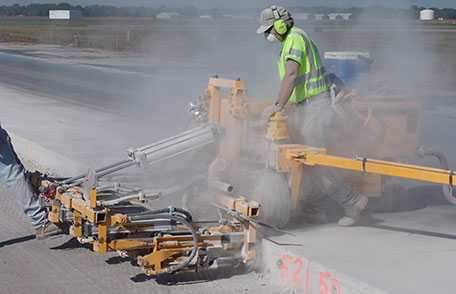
159	252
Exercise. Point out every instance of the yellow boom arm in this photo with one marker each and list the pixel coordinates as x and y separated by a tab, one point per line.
318	157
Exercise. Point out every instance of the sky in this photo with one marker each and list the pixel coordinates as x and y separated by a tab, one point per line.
248	3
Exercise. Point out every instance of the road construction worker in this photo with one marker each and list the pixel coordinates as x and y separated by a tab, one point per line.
304	95
15	179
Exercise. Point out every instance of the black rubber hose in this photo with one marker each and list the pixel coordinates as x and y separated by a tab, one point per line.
186	262
170	211
447	189
144	217
178	267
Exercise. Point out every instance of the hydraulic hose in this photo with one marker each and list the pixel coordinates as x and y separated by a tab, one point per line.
186	262
170	211
146	217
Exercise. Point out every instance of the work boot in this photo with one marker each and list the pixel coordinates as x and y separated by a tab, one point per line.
353	213
48	230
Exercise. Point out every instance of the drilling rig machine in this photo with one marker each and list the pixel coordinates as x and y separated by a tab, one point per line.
113	217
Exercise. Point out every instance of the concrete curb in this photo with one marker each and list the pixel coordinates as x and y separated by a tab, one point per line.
295	273
43	159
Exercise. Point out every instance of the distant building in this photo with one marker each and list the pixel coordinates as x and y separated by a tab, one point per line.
301	16
340	16
427	14
320	16
205	16
167	15
333	16
64	14
346	16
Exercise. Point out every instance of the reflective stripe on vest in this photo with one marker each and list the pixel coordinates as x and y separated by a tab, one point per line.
297	53
315	85
309	76
314	72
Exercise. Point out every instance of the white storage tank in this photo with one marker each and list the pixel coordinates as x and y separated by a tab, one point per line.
427	14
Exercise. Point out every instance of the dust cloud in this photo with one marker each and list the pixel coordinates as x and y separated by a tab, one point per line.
409	63
184	54
412	62
180	55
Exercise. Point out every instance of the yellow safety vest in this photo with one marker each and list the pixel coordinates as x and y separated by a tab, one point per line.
311	81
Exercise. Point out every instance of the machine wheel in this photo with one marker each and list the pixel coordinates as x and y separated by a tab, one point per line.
273	194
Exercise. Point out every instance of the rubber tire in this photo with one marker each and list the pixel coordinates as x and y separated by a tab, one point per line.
273	194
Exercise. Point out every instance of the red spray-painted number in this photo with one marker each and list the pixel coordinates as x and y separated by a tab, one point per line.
329	284
293	266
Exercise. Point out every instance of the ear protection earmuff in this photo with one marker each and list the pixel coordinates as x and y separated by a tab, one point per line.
279	24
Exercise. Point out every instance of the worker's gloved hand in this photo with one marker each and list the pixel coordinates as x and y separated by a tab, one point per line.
35	179
269	112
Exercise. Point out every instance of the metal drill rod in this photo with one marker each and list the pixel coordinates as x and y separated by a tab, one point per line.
117	187
103	173
180	152
170	148
154	226
79	177
184	143
115	169
141	196
170	139
153	153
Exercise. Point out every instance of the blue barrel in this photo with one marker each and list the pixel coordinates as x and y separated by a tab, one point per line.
348	66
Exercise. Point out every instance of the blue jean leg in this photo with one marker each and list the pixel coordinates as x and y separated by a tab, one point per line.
14	180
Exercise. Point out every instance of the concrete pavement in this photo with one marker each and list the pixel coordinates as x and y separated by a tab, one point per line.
381	259
404	252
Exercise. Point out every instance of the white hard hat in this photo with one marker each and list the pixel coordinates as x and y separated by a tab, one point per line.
270	15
